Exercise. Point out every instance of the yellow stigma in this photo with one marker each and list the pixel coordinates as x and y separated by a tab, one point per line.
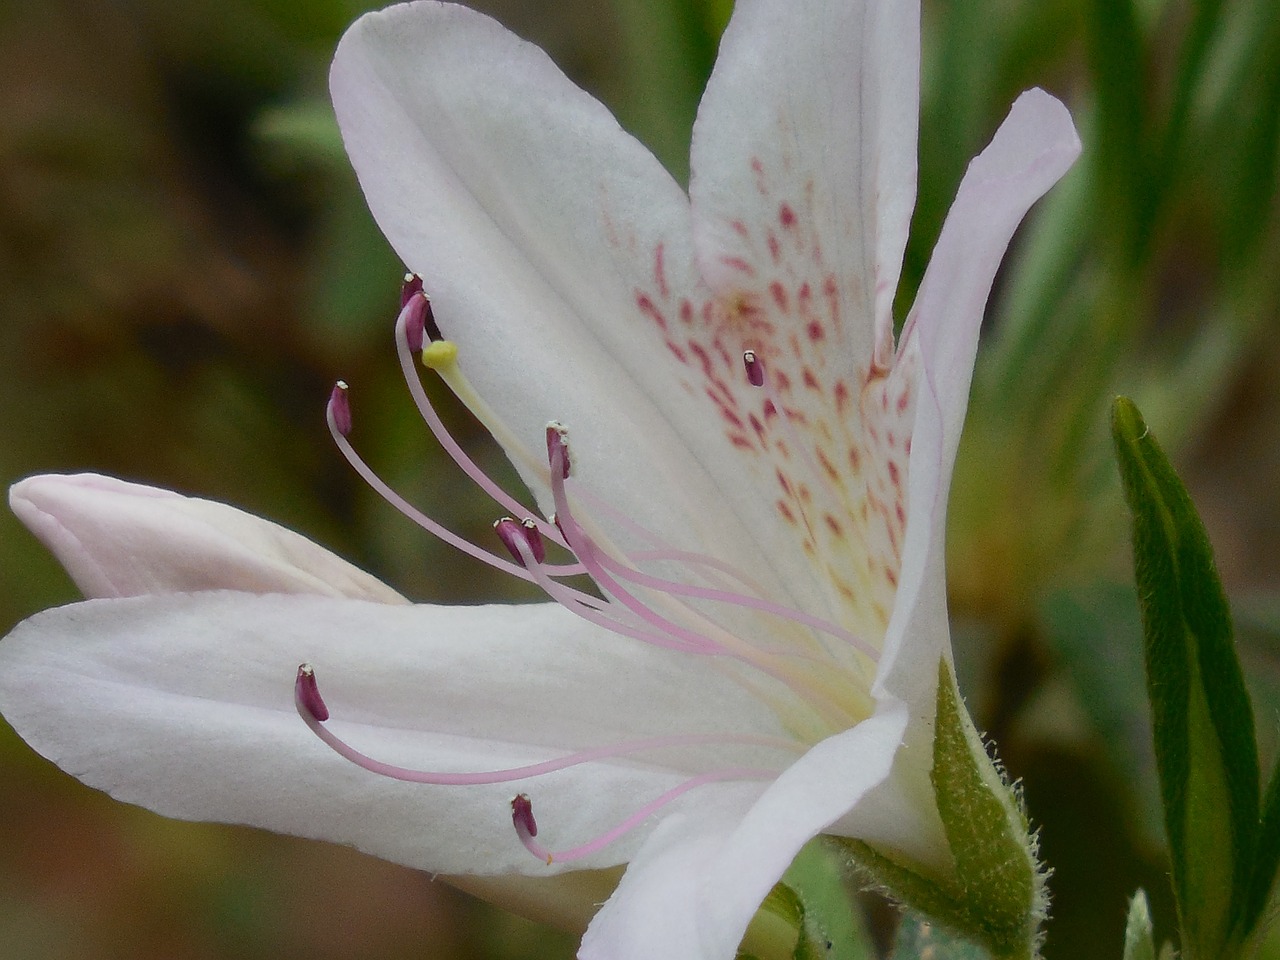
439	354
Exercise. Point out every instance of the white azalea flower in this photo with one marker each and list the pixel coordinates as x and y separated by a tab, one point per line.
752	472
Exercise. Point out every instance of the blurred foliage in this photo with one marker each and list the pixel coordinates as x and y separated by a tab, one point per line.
186	264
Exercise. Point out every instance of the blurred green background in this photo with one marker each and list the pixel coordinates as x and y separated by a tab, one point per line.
186	265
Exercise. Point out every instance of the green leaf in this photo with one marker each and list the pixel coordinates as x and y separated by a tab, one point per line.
1138	944
1267	857
1202	720
918	939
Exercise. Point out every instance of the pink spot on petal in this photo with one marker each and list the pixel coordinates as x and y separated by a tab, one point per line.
650	310
779	295
828	467
842	395
786	216
816	333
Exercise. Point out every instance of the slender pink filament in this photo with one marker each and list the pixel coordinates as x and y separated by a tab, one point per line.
611	751
451	446
587	553
636	819
593	614
676	588
417	516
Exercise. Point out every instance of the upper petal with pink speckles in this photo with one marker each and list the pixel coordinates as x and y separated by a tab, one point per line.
560	257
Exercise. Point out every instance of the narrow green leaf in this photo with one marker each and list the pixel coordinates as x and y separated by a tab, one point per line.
1138	944
1202	720
918	939
1267	860
995	866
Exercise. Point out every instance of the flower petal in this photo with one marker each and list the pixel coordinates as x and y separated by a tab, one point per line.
1030	152
695	885
804	156
184	704
119	539
558	254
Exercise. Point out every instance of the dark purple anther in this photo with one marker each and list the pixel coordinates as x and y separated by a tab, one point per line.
420	323
558	441
755	368
522	816
340	408
512	534
411	287
307	692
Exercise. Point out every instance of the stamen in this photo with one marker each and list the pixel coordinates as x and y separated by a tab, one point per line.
307	693
527	827
415	322
411	287
307	697
755	369
587	553
422	324
340	408
509	530
673	638
435	355
558	444
814	689
737	599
